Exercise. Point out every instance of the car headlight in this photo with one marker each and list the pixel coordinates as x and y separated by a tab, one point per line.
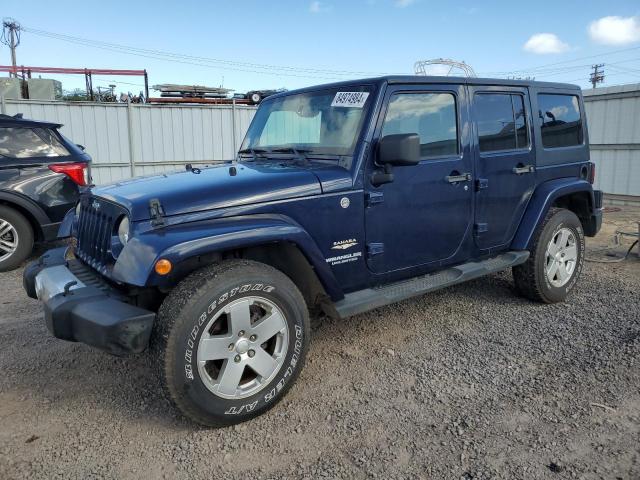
123	230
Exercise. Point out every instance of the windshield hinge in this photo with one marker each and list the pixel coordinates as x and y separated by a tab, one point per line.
156	212
374	198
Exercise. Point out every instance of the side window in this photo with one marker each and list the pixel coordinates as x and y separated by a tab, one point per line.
430	115
20	142
561	124
502	121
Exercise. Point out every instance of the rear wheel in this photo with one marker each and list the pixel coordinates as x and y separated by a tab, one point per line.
230	341
557	257
16	238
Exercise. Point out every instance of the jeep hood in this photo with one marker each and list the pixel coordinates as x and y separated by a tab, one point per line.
217	187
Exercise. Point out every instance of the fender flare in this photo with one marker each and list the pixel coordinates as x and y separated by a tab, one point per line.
26	204
540	203
177	243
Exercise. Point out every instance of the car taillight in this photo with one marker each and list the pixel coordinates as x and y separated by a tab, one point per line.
77	171
592	173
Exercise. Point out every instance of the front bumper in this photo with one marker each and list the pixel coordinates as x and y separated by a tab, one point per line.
79	308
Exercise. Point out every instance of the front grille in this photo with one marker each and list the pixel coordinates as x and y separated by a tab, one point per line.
94	231
90	277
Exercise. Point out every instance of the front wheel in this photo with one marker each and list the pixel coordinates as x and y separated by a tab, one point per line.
230	341
557	257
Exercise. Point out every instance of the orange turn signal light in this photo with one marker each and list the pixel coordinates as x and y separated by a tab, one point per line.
163	266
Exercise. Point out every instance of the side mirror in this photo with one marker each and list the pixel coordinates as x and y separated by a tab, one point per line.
399	149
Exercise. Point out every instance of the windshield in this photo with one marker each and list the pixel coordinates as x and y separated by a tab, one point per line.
325	122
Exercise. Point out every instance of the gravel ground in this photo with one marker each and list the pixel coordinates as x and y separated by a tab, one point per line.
470	383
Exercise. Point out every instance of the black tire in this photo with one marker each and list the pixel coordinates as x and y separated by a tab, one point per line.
183	318
530	278
24	233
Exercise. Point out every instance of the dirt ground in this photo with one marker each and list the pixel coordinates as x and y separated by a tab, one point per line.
471	382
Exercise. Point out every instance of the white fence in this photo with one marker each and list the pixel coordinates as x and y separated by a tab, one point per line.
131	140
613	114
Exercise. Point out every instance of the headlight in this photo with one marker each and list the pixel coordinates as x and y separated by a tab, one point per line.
123	230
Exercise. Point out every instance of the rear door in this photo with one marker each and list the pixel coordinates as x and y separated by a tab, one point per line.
505	162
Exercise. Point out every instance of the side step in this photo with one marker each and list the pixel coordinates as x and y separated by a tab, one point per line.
370	298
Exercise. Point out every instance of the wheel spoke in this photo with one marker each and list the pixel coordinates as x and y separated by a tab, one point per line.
7	246
214	348
554	246
269	326
553	268
571	252
229	377
263	363
564	238
240	316
562	272
5	227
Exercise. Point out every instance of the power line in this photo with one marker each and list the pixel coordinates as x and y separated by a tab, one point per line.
564	62
202	61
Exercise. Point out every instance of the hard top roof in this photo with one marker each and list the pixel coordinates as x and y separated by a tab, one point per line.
426	80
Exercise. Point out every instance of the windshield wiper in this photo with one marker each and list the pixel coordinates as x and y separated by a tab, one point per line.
298	152
255	152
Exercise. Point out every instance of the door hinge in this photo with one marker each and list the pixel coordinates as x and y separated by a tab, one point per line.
374	198
374	249
482	183
481	227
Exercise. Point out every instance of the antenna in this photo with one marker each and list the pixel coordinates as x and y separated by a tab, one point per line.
11	37
420	67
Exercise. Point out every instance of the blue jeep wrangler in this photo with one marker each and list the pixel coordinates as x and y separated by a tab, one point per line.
343	198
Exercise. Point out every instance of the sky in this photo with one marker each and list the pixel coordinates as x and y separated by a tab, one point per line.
245	45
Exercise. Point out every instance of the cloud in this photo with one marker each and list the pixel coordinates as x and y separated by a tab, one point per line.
403	3
615	30
319	7
469	10
543	43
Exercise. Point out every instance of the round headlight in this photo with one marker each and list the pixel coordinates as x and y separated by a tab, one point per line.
123	230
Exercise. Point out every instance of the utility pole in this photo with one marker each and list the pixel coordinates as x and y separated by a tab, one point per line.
597	76
11	37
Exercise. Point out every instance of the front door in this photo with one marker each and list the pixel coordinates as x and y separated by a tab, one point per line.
505	163
423	216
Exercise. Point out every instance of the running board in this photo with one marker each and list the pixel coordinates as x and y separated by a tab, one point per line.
370	298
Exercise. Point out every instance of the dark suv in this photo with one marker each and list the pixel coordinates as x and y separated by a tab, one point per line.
343	198
40	173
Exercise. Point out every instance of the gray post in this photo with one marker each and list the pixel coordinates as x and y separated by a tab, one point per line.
132	162
3	104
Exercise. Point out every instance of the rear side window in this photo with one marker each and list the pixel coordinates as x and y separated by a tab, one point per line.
561	124
20	142
502	121
431	115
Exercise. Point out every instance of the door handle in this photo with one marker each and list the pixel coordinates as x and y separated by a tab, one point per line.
521	169
462	177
